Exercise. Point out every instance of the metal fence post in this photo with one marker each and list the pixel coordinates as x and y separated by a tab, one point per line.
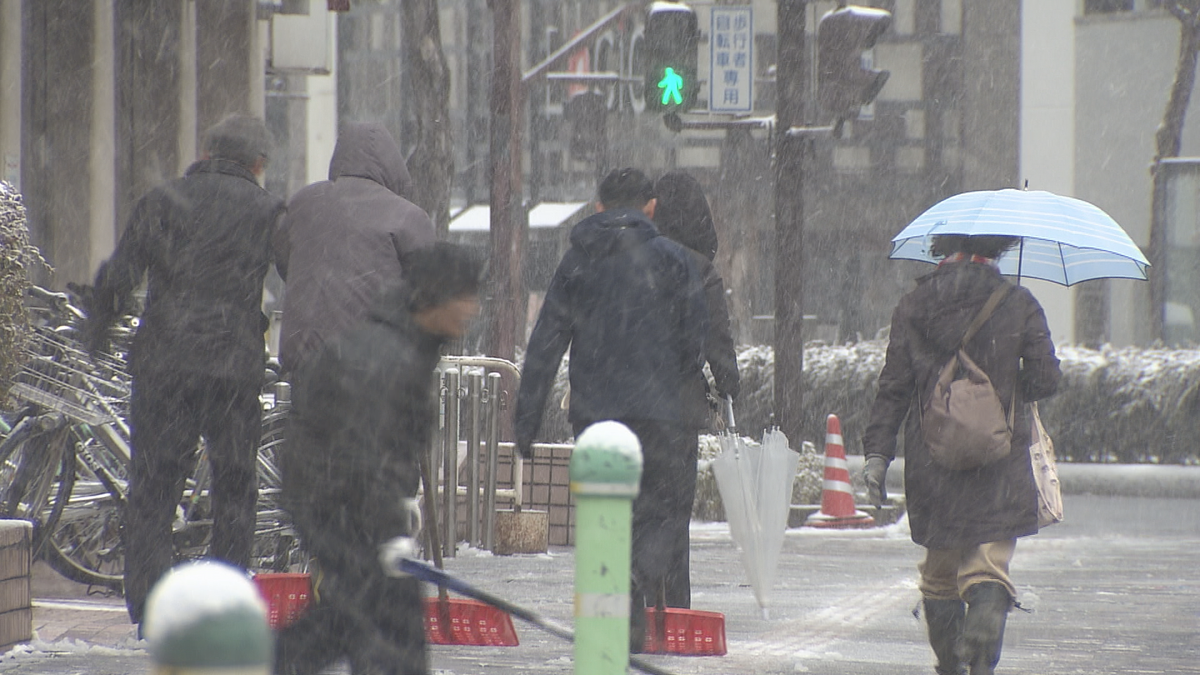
493	452
474	391
450	464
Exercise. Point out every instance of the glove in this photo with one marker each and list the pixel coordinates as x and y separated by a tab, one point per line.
875	476
393	552
526	449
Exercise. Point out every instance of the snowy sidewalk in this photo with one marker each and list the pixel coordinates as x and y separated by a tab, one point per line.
1112	590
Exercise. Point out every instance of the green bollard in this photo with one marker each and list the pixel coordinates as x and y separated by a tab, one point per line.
606	469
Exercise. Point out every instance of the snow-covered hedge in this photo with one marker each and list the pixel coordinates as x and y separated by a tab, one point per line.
18	260
1129	405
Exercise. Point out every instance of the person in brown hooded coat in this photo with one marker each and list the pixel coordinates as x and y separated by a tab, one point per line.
968	520
342	239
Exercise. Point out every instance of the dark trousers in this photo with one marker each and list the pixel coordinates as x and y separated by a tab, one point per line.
662	512
375	621
169	413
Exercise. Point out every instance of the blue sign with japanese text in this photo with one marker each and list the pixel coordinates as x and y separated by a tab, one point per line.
731	45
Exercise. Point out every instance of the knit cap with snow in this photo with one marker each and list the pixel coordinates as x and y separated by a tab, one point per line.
208	616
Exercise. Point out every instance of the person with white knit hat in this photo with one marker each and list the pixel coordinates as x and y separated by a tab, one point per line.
207	618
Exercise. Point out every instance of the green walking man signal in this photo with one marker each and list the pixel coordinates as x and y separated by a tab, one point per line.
671	84
671	79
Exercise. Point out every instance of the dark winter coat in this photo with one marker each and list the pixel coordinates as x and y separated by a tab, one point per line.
342	240
203	242
630	305
946	508
362	412
683	215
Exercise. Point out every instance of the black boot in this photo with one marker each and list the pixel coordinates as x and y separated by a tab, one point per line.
983	631
945	621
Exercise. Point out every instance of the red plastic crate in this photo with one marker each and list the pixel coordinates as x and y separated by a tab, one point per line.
470	623
286	595
686	632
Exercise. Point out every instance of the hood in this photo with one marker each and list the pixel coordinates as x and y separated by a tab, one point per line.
950	297
683	215
610	232
367	150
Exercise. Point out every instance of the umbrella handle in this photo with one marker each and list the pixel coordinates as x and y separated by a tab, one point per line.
731	425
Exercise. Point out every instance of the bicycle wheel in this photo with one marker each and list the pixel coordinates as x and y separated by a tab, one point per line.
85	546
36	475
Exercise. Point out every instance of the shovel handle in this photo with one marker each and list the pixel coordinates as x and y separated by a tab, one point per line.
442	579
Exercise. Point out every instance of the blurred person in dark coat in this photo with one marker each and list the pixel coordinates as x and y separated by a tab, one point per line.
967	520
363	412
342	240
683	215
630	305
203	242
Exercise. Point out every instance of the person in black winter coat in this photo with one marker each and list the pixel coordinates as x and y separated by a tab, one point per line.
682	214
967	520
630	305
363	412
198	359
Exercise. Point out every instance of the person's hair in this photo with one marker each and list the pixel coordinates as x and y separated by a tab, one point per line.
239	138
682	213
441	272
986	245
625	188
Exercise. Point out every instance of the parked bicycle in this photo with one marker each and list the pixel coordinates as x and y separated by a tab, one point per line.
64	460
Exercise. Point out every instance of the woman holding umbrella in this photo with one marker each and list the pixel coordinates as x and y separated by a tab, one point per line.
968	520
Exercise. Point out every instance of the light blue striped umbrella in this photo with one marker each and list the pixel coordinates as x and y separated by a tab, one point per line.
1063	240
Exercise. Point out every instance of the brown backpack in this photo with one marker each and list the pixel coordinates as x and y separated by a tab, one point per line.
963	422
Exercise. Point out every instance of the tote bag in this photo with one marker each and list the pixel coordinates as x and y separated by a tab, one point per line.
1045	471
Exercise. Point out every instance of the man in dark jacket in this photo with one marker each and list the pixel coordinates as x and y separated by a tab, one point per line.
342	240
682	214
630	305
197	361
362	413
967	520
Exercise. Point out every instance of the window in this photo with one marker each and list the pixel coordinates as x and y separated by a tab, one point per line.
1114	6
1107	6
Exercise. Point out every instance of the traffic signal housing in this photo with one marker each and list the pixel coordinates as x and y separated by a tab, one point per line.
670	40
843	84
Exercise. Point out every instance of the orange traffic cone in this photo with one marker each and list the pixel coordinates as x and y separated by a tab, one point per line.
837	500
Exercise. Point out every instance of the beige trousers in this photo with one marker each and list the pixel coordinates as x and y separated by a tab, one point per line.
947	573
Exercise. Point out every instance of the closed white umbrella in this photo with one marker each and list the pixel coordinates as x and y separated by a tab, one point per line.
755	482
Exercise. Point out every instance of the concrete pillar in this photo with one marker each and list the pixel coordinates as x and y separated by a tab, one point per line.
56	123
991	97
10	91
228	56
102	164
148	100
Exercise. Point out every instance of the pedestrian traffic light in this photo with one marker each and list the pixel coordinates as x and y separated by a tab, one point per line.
671	78
843	84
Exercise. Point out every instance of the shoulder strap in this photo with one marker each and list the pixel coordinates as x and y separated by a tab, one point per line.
984	314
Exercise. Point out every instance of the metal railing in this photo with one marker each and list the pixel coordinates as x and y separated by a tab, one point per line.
471	404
